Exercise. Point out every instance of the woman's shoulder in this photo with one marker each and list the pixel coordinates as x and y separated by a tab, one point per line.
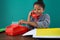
46	15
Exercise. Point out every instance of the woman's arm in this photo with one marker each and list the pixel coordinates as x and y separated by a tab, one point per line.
34	24
28	19
29	22
43	24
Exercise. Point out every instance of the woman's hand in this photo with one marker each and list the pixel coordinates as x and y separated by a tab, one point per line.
26	22
22	22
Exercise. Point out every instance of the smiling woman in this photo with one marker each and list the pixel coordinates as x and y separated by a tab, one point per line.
36	18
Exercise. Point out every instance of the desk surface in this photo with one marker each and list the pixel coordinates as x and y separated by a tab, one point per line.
3	36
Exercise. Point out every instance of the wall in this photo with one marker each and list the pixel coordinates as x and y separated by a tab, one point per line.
15	10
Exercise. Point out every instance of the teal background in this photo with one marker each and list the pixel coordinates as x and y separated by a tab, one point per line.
15	10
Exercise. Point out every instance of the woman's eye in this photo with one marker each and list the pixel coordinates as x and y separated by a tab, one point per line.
39	9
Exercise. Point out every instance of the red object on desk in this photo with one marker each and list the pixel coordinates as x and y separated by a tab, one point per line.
15	29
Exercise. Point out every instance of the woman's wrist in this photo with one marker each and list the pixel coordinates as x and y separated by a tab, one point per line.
27	22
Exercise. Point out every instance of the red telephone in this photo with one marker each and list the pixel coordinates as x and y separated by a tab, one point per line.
35	15
15	29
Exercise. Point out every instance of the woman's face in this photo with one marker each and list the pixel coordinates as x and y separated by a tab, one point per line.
38	9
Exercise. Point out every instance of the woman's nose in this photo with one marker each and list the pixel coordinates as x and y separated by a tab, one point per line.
36	11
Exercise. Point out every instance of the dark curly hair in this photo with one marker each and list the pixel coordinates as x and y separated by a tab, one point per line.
41	3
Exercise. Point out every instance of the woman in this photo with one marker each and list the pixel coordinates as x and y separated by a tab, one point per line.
39	21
